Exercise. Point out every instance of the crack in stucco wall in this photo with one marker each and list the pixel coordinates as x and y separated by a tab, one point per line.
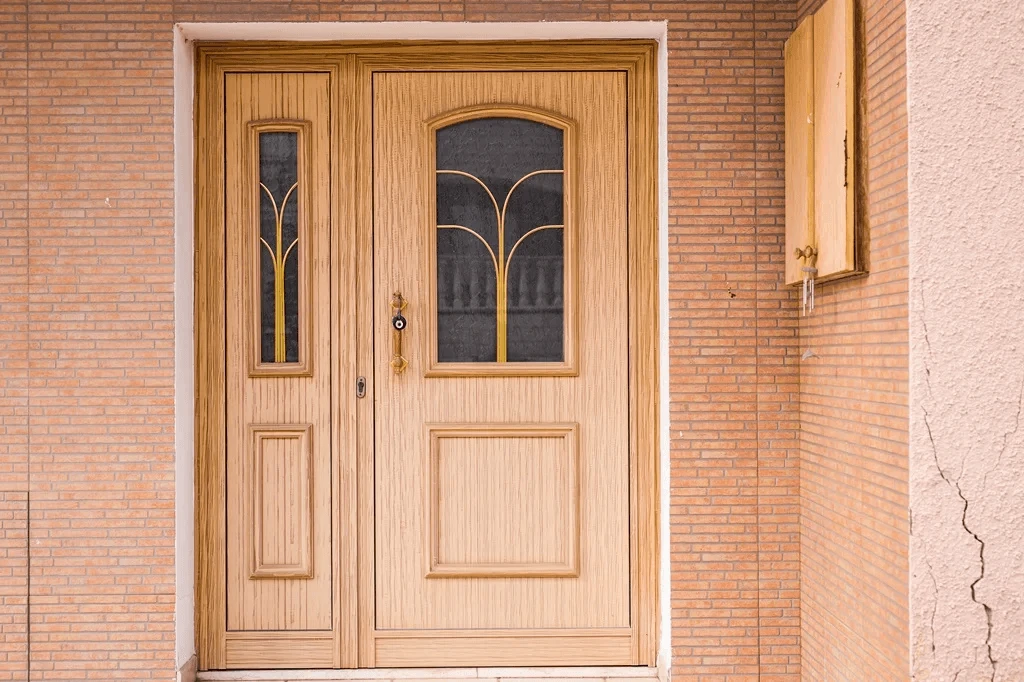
954	483
965	94
1007	436
968	478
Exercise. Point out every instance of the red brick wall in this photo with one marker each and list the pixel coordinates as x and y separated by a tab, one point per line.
13	586
854	403
777	366
100	232
88	233
13	252
13	348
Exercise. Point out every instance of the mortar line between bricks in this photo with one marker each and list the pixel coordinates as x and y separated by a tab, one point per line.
757	342
28	583
28	358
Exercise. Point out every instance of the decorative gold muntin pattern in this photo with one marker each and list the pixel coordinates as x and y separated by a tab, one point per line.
279	259
500	260
290	197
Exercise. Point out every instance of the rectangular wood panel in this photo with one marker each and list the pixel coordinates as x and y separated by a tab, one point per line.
282	500
835	138
799	59
534	647
248	650
502	501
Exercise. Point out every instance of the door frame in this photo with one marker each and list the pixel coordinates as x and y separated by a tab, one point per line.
353	64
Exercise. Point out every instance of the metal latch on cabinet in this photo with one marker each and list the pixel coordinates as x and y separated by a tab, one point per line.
809	255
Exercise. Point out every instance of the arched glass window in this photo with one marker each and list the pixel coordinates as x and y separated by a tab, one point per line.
501	214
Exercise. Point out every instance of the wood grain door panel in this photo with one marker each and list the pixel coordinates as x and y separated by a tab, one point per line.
279	514
479	521
502	502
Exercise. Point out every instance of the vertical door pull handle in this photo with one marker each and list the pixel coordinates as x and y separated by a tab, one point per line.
398	325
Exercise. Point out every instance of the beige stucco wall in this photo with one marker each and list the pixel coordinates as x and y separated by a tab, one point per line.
966	174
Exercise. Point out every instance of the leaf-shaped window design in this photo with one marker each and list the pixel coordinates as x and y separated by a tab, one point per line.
279	246
500	241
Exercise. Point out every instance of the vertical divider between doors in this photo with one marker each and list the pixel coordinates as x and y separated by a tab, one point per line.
345	301
361	151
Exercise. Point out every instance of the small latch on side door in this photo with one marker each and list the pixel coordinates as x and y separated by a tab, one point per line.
361	387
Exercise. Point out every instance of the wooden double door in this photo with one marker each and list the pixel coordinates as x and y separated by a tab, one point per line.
427	394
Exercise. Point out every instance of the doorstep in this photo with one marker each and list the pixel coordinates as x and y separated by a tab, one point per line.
582	674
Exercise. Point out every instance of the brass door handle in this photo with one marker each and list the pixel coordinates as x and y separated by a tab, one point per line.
398	325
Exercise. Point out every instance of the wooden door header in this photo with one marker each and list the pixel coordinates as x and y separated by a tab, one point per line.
546	55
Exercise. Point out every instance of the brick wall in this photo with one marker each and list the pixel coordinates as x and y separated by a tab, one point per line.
13	586
854	402
777	364
13	348
100	232
86	403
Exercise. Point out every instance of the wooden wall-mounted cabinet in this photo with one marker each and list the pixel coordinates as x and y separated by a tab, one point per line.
821	143
799	146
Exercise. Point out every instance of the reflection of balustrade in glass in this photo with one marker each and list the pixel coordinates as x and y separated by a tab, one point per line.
466	284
